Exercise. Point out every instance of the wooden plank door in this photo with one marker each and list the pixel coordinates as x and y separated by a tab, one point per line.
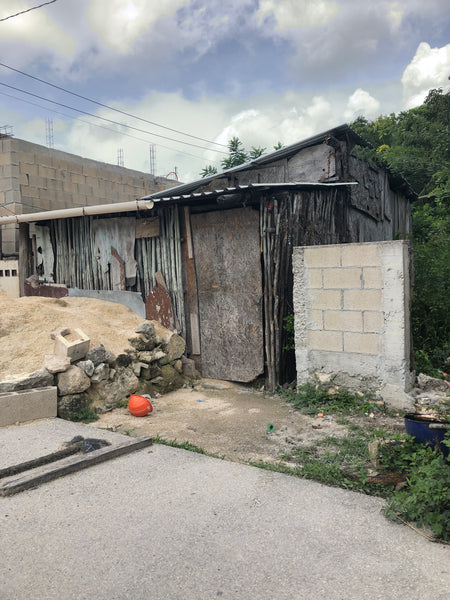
229	284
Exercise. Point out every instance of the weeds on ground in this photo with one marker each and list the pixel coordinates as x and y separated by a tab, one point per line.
337	461
423	473
85	415
426	500
312	398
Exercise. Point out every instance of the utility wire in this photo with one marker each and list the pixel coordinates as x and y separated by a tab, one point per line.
109	107
58	112
28	10
110	120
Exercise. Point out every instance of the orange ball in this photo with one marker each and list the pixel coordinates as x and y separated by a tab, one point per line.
139	406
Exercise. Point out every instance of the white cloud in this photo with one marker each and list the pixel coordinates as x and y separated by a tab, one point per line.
293	14
361	103
120	23
430	68
35	27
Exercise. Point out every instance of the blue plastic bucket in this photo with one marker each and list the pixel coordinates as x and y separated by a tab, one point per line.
427	431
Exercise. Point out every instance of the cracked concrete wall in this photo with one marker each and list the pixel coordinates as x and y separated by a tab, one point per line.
352	314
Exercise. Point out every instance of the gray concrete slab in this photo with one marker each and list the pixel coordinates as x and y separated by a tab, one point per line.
164	523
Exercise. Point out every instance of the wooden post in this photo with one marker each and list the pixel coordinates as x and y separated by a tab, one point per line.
24	258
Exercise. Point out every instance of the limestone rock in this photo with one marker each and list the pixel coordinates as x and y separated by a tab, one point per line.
101	372
137	368
173	344
87	366
56	364
109	391
150	371
178	366
24	381
170	380
142	344
110	358
73	381
147	329
189	369
153	356
124	360
69	405
431	384
97	354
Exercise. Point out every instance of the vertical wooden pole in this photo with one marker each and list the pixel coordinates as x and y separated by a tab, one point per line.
24	258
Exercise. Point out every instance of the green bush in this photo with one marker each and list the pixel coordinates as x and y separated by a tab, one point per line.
426	500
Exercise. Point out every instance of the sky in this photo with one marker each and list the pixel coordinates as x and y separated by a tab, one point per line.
197	73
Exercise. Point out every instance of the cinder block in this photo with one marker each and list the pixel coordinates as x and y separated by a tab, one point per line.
31	169
359	255
326	299
90	171
315	319
70	187
48	172
26	157
373	321
342	278
372	278
27	405
322	256
74	344
362	300
362	343
343	320
77	178
325	340
315	278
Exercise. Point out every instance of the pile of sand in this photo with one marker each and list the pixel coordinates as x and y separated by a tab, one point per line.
26	324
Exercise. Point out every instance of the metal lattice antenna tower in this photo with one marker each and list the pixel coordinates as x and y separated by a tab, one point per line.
6	130
120	157
49	133
152	159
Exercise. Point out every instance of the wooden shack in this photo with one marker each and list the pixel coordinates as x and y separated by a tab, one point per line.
222	247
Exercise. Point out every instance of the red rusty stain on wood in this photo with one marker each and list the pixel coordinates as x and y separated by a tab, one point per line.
46	290
158	307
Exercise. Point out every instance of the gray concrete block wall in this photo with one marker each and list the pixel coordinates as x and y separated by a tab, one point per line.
34	178
352	319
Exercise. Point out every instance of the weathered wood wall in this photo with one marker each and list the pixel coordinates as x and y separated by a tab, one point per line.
80	263
291	219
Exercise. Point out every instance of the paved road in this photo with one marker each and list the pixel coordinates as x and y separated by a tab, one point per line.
163	523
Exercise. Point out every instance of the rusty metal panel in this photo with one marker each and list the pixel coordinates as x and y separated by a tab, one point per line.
158	307
227	261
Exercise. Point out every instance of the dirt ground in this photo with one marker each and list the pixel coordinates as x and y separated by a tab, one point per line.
223	418
232	421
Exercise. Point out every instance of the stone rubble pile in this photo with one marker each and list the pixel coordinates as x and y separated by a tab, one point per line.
154	364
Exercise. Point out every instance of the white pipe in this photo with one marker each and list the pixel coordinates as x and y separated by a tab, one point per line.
82	211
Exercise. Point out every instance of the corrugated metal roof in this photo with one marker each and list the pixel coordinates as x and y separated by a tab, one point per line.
250	186
340	131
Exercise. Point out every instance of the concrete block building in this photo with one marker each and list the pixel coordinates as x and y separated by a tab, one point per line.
34	178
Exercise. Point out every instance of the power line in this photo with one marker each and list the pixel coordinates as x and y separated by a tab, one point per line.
58	112
110	107
28	10
109	120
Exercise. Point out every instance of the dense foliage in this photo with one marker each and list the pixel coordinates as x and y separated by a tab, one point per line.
416	144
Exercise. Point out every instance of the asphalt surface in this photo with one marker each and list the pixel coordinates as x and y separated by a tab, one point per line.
163	523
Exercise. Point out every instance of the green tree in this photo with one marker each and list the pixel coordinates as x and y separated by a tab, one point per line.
416	145
237	156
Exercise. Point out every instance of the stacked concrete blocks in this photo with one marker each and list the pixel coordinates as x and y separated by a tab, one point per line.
352	312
